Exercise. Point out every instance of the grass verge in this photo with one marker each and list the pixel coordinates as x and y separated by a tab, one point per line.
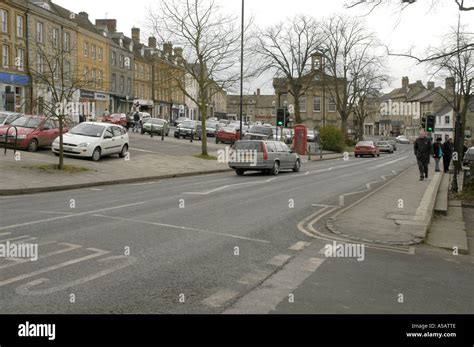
53	168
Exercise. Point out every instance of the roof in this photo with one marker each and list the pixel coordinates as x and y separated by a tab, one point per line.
80	20
443	110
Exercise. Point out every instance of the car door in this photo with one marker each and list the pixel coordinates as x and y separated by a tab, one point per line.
289	157
118	139
272	154
283	154
108	141
49	133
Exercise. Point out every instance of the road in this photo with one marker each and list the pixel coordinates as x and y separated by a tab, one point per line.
198	244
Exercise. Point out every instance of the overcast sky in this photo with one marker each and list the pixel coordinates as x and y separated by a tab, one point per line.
419	25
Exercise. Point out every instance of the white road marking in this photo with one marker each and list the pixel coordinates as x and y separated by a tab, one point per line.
220	298
279	260
25	288
3	234
229	186
16	238
313	263
298	246
98	253
321	205
144	150
69	216
183	228
254	278
206	193
391	162
31	211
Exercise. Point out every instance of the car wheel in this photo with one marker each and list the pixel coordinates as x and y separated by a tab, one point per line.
124	151
378	155
217	140
32	145
56	154
373	155
167	133
240	172
96	154
276	168
297	166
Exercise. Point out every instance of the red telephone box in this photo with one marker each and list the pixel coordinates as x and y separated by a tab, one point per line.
300	140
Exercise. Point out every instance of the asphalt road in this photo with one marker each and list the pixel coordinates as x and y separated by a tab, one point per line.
191	245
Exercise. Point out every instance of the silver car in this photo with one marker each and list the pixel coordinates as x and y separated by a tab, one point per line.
263	155
385	146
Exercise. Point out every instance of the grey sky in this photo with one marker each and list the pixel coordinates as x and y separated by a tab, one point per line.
419	25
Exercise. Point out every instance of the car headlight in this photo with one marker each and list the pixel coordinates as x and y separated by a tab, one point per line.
85	144
21	137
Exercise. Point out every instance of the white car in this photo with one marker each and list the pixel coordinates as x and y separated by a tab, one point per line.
403	139
94	140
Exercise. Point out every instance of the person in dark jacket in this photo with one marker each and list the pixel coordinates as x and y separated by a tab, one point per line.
437	153
423	150
136	122
448	149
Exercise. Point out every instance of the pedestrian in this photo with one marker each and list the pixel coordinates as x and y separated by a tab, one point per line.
129	121
423	149
437	153
448	149
136	122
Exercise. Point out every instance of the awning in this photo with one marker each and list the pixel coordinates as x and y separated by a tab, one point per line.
8	78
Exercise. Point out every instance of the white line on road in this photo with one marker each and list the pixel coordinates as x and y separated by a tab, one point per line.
69	216
16	238
391	162
279	260
182	228
298	246
220	298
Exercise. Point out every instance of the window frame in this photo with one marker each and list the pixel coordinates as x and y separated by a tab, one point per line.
6	63
22	26
314	104
39	31
4	19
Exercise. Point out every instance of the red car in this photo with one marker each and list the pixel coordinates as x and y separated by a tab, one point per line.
228	134
366	148
33	132
116	118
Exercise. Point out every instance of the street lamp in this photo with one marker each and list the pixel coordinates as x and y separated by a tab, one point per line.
242	68
457	138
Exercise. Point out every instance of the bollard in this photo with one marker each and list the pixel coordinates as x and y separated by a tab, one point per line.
151	131
191	137
163	133
309	152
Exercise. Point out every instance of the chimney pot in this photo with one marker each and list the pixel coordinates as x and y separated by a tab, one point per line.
405	82
431	85
136	35
152	42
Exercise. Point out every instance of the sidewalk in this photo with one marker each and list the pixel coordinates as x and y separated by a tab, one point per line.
23	176
398	213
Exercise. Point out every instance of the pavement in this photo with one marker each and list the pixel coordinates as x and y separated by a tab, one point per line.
399	213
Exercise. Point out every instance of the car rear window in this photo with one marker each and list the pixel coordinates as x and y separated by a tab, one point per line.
261	130
365	143
249	145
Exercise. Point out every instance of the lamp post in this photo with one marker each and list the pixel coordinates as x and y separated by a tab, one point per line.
242	67
457	138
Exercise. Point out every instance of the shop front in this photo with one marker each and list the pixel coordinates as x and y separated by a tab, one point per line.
13	89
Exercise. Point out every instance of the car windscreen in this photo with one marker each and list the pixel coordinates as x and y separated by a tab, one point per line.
188	125
365	143
261	130
91	130
156	121
27	122
248	145
229	129
3	117
382	143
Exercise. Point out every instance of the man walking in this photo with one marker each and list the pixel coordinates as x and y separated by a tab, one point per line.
136	122
423	149
448	150
438	153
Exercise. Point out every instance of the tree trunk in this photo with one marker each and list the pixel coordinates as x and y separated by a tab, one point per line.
203	122
344	126
297	112
61	148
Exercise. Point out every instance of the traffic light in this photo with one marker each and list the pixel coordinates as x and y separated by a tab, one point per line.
423	122
280	121
430	123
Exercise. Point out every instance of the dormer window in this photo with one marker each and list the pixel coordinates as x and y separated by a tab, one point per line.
142	52
131	47
121	43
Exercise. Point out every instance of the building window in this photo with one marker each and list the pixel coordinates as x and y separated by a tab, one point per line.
20	58
86	73
39	32
447	119
141	72
6	56
122	83
136	70
67	69
67	41
4	20
56	70
129	85
332	104
127	63
55	38
86	49
101	53
93	52
121	61
114	82
101	78
19	26
39	63
114	58
317	104
93	75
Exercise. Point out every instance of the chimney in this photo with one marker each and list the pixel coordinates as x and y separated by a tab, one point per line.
152	42
84	14
178	51
110	24
168	50
258	92
450	84
431	85
405	82
136	35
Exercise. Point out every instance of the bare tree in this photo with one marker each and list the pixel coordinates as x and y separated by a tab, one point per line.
287	49
52	66
211	48
352	60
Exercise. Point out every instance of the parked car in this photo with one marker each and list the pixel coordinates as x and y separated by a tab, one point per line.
310	135
228	134
403	139
263	155
384	146
94	140
185	129
7	118
366	148
180	120
468	156
393	143
259	132
116	118
156	126
33	132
